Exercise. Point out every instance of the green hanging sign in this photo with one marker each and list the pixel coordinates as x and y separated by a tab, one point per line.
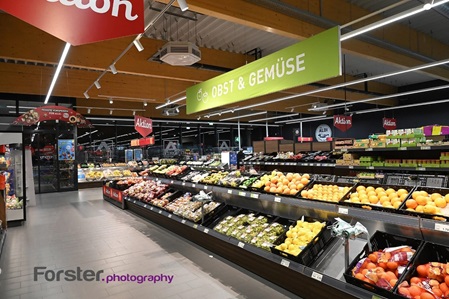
311	60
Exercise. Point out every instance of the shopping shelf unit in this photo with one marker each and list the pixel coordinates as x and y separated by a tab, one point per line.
283	272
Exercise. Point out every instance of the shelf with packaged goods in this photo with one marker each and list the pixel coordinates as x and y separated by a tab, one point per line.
297	278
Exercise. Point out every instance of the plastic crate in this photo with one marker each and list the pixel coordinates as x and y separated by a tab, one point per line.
313	250
444	216
379	241
376	207
429	252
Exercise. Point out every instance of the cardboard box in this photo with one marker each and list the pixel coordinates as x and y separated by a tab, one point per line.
362	143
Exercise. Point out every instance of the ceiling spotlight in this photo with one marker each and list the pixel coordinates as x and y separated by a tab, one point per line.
207	116
113	69
86	95
177	109
211	124
198	118
232	110
88	110
324	112
97	84
188	128
110	112
293	109
138	45
134	112
111	101
427	6
145	104
183	5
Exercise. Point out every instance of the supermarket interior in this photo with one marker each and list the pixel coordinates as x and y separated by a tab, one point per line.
246	149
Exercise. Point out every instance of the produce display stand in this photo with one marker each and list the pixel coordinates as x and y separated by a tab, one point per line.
3	223
113	196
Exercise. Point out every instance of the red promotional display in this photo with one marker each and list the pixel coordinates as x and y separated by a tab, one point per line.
389	123
343	122
143	125
80	22
305	139
143	141
59	113
273	138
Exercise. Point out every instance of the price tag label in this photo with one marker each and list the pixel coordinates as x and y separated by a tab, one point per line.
317	276
206	230
375	297
229	191
183	183
285	263
193	185
425	148
370	167
242	193
277	199
144	206
370	149
344	149
421	168
351	167
402	149
282	163
343	211
183	221
160	211
195	226
254	195
134	201
442	227
241	244
170	215
151	208
318	164
205	187
171	182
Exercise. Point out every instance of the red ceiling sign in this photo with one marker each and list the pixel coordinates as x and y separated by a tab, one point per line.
143	141
143	125
389	123
80	21
57	113
343	122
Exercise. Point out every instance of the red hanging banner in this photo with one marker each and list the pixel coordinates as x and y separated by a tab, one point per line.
389	123
343	122
56	113
80	22
143	125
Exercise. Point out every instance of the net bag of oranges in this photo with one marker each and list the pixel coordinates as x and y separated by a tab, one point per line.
383	267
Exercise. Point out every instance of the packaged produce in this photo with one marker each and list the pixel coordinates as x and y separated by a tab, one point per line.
280	183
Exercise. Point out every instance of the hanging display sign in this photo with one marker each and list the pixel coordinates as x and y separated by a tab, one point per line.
343	122
57	113
143	141
311	60
143	125
80	22
323	132
389	123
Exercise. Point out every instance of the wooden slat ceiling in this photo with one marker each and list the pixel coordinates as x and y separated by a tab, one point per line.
28	58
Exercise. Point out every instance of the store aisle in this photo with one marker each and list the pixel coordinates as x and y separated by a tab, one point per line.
78	229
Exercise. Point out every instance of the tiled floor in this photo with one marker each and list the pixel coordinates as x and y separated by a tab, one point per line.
78	229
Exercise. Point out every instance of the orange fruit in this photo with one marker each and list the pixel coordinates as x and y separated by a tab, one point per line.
422	270
383	265
426	295
415	280
415	194
437	292
421	200
393	282
415	291
404	292
359	276
411	204
370	266
373	257
446	197
435	196
444	288
392	265
373	199
446	280
364	272
440	202
304	181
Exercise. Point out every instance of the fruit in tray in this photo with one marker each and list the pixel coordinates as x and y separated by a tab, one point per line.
94	175
161	169
431	283
248	182
251	229
388	198
383	267
214	164
299	236
154	167
423	202
233	179
132	164
107	165
127	172
176	170
13	203
214	177
163	201
129	182
146	190
117	173
178	202
332	193
280	183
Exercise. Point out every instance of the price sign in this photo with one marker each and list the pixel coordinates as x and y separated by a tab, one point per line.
229	191
193	185
183	183
285	263
195	226
160	211
254	195
171	182
277	199
343	211
205	187
402	149
206	230
318	164
351	167
144	206
344	149
421	168
317	276
241	244
183	221
442	227
170	215
242	193
151	208
134	201
370	167
370	149
425	147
